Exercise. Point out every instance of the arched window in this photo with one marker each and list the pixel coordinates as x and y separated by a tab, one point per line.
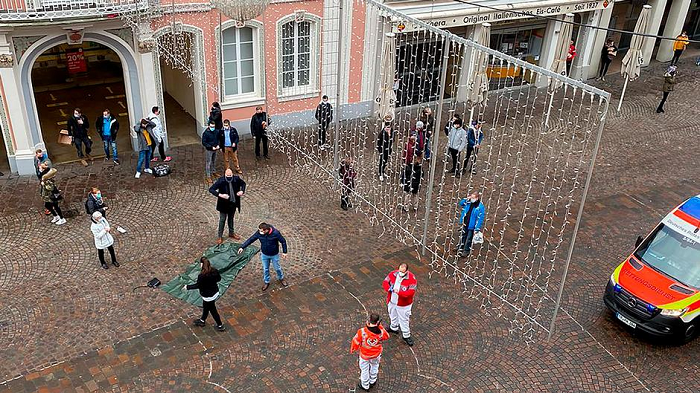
241	63
298	56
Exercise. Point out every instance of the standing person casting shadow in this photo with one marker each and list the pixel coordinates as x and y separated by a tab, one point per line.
669	82
207	283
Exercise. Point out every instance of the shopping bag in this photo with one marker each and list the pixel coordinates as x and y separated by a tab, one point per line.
63	138
478	238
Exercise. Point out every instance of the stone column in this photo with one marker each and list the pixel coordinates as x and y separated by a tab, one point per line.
549	44
599	41
674	26
657	12
585	45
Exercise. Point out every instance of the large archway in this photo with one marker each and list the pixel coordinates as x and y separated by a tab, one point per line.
88	76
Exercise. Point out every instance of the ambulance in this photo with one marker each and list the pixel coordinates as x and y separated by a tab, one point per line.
656	290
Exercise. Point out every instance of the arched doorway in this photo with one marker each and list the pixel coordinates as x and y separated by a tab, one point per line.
88	76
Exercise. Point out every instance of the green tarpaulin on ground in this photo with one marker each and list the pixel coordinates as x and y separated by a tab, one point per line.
224	258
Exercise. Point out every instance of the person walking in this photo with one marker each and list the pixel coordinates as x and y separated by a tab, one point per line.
450	123
210	141
368	340
669	82
78	126
607	55
95	202
385	146
258	127
102	232
474	138
471	219
228	140
679	46
216	116
400	286
347	175
570	57
324	116
107	127
228	191
159	136
413	174
428	121
270	239
208	285
50	194
456	142
143	133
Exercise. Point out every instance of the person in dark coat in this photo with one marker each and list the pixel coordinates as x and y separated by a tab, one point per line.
107	127
428	121
215	115
95	202
669	82
78	126
207	283
607	55
258	128
413	173
385	145
324	116
270	239
347	175
229	189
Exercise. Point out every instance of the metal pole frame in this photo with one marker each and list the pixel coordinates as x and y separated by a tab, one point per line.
578	221
435	141
221	60
339	77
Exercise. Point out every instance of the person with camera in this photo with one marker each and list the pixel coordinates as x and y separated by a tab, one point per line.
102	232
400	286
368	340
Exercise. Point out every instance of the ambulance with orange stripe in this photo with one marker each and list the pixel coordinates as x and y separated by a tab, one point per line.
657	289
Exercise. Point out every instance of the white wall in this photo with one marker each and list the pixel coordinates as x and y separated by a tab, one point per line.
179	86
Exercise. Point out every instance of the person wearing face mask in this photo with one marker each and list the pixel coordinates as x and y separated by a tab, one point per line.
474	138
347	175
143	133
385	146
368	340
207	283
95	203
78	131
324	116
159	136
41	157
210	141
471	219
400	286
270	239
102	232
107	127
258	128
456	142
228	191
228	141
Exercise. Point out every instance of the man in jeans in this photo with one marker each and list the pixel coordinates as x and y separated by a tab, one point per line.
228	140
210	141
78	131
107	127
142	132
228	190
159	136
270	239
472	220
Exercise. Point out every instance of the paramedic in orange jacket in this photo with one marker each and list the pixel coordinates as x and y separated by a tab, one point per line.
400	286
369	341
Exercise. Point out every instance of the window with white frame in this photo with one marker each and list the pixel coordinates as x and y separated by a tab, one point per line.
240	62
298	56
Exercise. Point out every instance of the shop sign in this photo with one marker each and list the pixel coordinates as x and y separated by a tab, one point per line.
76	61
472	16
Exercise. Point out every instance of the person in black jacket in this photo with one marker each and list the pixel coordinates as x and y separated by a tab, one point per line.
95	202
78	126
107	127
228	142
385	142
324	116
210	141
258	127
270	239
215	115
228	190
207	283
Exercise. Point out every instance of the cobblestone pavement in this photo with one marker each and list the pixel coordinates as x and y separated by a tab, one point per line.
67	325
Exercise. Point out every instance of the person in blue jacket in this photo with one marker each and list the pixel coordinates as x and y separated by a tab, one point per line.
472	220
270	239
474	138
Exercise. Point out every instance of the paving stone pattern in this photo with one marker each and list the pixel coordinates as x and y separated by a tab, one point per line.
66	325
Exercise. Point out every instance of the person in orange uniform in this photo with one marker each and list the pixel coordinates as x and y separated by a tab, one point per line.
368	340
679	46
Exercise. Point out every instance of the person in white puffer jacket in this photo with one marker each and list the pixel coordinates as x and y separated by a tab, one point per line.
103	238
456	142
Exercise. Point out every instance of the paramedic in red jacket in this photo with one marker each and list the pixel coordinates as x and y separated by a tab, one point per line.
369	341
400	286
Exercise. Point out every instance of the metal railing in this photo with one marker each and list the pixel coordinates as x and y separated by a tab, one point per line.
42	10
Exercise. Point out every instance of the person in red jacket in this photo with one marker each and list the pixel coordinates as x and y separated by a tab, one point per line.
401	287
369	341
570	57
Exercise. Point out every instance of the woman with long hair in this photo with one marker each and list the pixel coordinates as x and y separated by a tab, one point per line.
207	283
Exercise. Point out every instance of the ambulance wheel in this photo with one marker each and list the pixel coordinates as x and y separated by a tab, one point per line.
688	334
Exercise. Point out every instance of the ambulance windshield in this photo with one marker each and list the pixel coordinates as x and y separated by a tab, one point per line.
673	254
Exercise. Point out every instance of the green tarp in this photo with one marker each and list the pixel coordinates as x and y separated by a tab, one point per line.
224	258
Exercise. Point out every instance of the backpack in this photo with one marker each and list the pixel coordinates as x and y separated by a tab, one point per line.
161	170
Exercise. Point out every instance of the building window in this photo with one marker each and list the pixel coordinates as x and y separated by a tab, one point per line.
298	56
240	62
